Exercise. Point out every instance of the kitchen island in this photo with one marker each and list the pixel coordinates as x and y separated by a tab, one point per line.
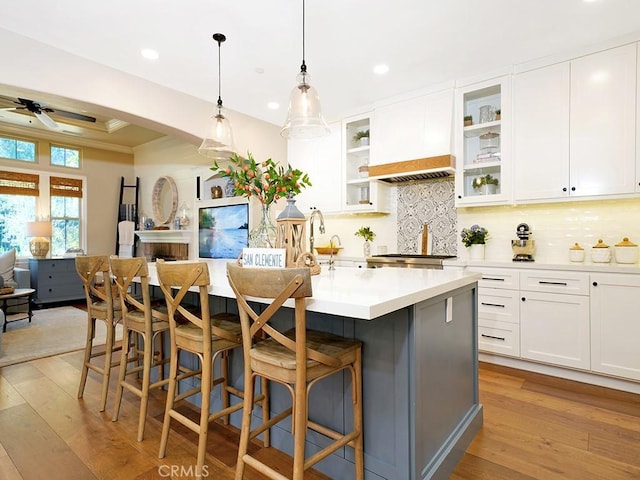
420	383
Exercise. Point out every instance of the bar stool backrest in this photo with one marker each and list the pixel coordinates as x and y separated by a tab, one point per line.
176	279
94	272
125	271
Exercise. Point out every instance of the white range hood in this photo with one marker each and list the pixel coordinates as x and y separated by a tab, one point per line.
419	169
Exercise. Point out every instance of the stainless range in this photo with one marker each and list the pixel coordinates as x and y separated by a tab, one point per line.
408	261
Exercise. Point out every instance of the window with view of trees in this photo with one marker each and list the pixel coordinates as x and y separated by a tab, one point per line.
21	197
65	157
66	197
17	149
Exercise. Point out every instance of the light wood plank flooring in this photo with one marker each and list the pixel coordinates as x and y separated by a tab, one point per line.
535	427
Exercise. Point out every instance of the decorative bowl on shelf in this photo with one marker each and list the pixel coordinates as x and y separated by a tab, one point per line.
328	250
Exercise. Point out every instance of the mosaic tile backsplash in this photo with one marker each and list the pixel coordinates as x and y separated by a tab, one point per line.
431	202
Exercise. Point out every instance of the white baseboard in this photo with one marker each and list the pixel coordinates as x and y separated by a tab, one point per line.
569	374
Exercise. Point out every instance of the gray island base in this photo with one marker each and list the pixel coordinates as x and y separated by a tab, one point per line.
420	368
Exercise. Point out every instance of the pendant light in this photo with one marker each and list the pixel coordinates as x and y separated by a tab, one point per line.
218	139
304	119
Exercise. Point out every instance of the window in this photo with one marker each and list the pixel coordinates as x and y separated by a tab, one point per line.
18	196
66	199
65	157
22	200
17	149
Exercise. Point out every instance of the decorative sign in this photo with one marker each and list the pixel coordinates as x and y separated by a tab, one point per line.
264	257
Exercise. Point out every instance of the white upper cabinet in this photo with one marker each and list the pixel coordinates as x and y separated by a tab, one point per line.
541	133
321	159
602	129
574	127
418	127
483	143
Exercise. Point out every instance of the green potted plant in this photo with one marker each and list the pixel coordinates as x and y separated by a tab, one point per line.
487	184
475	238
361	137
468	120
368	235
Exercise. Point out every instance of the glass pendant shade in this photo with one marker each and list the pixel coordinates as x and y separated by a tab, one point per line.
304	119
218	140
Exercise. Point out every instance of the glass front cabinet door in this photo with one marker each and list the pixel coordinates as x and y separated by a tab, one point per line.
483	140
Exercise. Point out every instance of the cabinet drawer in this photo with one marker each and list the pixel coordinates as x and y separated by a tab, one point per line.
498	304
499	337
56	265
575	283
498	277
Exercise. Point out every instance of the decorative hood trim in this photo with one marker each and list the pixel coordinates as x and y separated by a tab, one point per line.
420	169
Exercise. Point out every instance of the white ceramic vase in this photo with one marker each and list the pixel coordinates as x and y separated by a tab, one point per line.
476	251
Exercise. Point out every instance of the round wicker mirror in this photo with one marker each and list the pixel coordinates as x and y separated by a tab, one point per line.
165	200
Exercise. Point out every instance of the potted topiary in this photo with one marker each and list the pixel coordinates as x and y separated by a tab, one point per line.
362	138
468	120
368	235
486	184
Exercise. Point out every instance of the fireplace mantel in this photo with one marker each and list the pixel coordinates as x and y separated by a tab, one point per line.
165	236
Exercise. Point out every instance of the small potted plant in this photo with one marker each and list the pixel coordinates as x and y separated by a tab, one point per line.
367	234
475	238
487	184
498	114
362	138
468	120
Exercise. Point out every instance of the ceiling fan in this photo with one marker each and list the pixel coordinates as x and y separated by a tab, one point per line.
40	112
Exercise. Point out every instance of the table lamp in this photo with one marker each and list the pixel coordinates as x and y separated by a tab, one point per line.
40	233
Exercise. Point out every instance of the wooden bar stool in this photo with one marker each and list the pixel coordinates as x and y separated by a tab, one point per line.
297	359
206	336
142	321
94	273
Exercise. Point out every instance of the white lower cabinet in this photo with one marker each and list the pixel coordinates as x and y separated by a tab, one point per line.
555	328
615	324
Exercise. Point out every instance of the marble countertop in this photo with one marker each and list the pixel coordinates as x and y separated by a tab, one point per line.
363	293
586	266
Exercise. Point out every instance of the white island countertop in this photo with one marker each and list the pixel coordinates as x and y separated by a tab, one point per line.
364	293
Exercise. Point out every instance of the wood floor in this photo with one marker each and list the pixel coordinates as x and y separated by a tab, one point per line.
535	427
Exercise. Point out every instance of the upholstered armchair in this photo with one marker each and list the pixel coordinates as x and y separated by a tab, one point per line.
13	276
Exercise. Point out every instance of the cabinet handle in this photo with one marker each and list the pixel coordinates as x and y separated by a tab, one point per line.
459	197
492	304
493	337
523	299
543	282
595	284
564	189
573	189
493	279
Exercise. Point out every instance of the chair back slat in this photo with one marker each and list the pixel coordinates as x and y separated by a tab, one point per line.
89	267
276	285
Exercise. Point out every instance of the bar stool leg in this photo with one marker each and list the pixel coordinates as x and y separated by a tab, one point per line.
300	429
246	427
91	328
171	395
264	385
107	363
122	373
146	380
205	388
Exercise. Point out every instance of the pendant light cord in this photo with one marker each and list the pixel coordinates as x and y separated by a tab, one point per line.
219	37
303	67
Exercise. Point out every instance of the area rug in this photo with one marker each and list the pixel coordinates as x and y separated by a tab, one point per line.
52	331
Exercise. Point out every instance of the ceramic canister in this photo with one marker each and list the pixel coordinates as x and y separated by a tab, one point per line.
626	251
576	253
600	252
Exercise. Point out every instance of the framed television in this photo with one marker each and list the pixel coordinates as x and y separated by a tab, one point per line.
223	227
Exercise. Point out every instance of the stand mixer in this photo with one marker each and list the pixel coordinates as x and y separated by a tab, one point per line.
523	247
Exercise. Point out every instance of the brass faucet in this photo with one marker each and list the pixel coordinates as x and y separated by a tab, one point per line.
331	265
322	230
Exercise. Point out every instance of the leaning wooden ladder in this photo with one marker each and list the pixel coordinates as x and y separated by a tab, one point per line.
127	211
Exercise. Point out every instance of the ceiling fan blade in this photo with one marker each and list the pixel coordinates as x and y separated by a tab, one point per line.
46	120
75	116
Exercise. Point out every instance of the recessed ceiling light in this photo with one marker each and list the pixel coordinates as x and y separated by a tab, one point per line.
380	69
259	70
149	54
273	105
